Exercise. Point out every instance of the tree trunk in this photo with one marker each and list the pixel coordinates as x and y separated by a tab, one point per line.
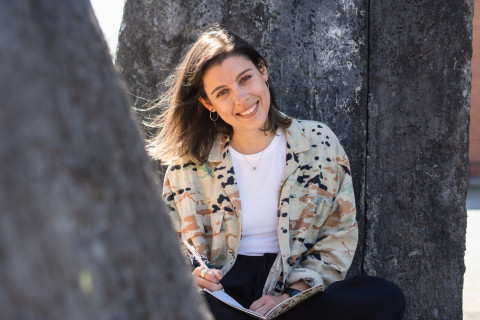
83	234
391	78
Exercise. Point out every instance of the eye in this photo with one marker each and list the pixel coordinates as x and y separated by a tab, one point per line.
221	92
245	78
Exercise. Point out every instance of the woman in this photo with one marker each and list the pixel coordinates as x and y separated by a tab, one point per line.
267	200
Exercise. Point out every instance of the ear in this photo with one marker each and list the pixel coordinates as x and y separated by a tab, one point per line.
263	70
206	104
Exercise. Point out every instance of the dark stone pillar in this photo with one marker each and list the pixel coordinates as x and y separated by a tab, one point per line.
418	115
82	234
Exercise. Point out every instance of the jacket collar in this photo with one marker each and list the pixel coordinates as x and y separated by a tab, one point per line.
296	140
220	147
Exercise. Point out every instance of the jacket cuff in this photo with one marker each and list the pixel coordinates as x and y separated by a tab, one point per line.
308	276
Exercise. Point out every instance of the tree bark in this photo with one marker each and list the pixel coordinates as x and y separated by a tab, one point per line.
392	79
83	234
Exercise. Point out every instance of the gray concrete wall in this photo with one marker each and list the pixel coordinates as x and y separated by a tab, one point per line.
418	116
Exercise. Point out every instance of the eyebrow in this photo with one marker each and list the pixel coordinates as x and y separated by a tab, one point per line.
236	79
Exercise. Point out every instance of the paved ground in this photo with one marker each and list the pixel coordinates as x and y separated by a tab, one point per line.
471	285
473	195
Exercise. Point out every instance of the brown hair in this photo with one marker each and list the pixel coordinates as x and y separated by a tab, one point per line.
186	130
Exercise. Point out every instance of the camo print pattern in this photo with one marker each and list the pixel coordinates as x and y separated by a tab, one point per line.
317	230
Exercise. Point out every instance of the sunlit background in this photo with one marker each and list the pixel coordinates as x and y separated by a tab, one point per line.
109	16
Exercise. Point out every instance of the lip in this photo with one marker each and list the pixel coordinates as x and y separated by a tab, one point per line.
252	113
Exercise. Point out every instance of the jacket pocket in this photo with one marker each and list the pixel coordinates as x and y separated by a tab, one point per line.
300	215
300	210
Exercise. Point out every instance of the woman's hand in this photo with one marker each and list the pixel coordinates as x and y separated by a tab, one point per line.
266	303
210	280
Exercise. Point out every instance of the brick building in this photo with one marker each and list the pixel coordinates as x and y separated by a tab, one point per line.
474	153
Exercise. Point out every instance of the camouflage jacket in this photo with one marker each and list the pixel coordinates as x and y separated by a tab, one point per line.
317	230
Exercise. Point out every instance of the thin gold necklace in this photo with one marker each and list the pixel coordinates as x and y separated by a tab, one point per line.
252	167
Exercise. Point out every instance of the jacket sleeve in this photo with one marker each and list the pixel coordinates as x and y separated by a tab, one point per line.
328	259
169	196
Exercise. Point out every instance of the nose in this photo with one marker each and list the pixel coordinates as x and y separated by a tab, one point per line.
241	95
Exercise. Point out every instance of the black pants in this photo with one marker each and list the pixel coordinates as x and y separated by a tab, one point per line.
361	297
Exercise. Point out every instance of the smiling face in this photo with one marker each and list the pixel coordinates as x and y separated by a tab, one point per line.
237	90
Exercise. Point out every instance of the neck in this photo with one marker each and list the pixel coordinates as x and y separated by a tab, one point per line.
251	142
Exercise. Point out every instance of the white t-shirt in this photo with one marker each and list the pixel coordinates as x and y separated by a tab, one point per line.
259	195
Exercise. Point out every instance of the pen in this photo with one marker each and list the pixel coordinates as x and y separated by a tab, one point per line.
197	256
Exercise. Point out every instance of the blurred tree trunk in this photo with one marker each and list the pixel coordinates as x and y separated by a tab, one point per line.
83	234
391	78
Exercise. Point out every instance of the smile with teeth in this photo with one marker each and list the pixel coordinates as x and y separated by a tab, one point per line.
249	110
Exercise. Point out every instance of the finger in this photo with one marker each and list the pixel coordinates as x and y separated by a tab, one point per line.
208	275
263	310
197	271
213	275
263	305
257	304
201	272
209	280
217	274
212	286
